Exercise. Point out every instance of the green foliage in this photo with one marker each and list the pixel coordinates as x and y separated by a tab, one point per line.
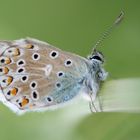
75	25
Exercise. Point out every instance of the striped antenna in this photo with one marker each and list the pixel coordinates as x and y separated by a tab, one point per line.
108	31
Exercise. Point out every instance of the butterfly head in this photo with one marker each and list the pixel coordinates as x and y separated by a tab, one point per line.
96	56
96	73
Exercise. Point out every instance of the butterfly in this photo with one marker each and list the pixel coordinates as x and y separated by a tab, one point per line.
35	75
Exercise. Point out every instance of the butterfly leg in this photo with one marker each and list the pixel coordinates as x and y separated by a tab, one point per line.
95	105
99	101
92	105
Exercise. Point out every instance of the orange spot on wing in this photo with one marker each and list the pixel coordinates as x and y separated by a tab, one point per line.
29	46
7	61
14	91
6	70
24	102
17	52
31	106
9	80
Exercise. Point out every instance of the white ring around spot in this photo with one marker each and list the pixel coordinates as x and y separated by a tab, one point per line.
53	57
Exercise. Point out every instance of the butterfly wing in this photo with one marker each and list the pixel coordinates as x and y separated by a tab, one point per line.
35	75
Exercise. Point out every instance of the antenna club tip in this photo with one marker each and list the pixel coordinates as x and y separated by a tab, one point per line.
107	32
122	14
119	18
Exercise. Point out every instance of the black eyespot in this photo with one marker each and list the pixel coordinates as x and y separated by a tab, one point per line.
49	99
21	62
17	100
32	46
54	54
24	78
35	56
2	60
59	74
4	81
33	85
8	93
20	104
10	51
20	70
58	85
97	58
35	95
68	62
1	70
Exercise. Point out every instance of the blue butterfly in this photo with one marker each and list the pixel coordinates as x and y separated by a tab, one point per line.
35	75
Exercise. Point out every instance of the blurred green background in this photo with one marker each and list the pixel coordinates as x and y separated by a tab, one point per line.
75	26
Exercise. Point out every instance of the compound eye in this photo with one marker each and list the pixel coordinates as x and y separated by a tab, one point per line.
97	58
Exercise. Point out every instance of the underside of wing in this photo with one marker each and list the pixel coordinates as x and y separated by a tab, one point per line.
34	74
